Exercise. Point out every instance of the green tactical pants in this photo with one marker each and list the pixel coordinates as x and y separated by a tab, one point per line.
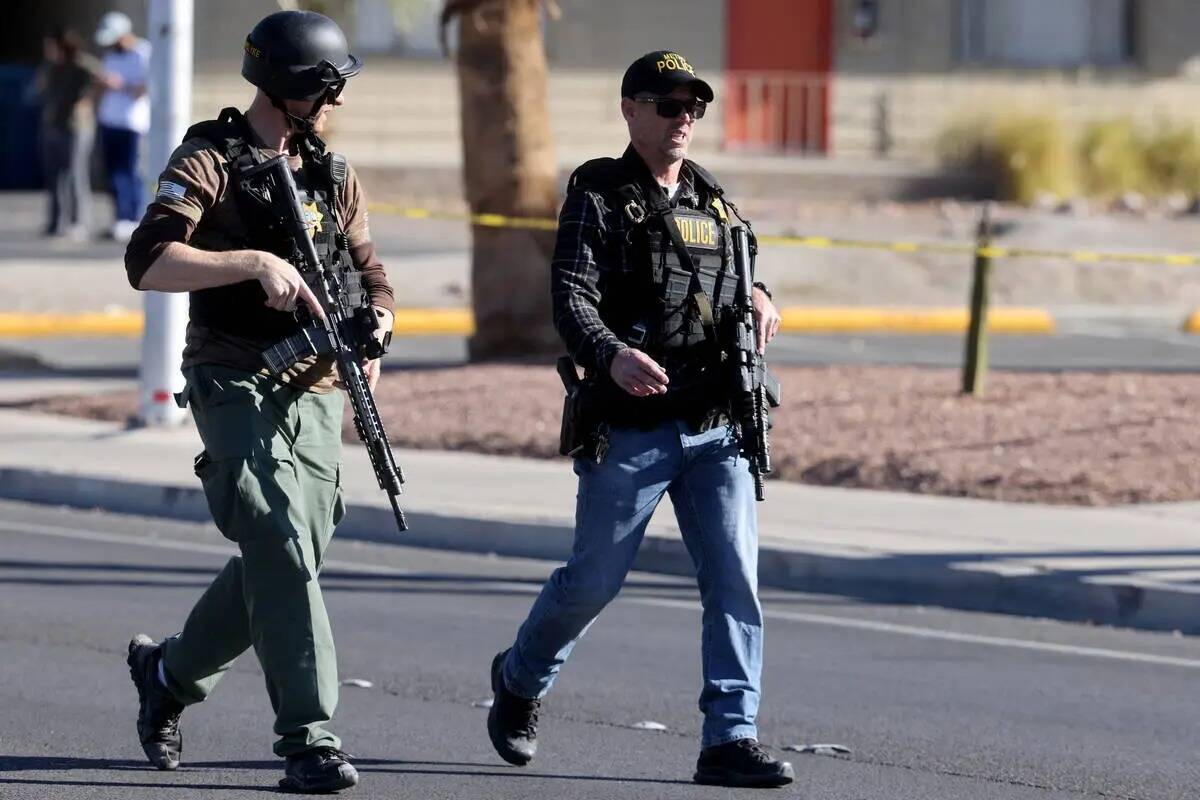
270	470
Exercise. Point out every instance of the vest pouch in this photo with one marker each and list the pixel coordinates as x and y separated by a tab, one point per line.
677	311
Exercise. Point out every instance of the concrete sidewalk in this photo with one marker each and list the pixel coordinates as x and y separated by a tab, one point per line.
1135	566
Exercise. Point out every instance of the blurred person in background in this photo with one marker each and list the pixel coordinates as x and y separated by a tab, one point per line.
124	116
64	83
636	236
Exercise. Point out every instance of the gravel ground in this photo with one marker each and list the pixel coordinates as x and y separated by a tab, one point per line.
1078	438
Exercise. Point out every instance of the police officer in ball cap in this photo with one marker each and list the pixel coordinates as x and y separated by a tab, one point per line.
272	444
642	266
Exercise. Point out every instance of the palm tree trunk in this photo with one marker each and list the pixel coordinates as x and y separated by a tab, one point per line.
509	168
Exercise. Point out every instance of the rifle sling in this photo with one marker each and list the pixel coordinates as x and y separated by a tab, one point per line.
699	296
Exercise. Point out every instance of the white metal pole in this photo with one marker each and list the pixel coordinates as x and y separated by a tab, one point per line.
170	27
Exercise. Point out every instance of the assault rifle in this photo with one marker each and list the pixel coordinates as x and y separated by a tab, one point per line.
348	334
754	389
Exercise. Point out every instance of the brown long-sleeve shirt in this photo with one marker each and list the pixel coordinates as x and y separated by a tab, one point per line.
194	204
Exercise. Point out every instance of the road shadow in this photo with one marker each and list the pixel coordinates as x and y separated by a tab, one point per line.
1008	582
461	769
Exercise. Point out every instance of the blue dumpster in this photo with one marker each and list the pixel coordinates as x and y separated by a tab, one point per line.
20	163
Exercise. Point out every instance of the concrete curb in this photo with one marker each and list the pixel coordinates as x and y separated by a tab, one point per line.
459	322
409	322
929	580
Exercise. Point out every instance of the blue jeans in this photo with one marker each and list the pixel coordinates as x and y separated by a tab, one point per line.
713	494
121	151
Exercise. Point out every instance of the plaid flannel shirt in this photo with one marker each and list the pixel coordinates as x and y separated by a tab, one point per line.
594	240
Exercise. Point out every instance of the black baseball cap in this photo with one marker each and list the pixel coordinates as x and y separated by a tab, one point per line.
660	72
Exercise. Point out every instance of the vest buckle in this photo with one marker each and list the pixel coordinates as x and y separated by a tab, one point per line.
636	213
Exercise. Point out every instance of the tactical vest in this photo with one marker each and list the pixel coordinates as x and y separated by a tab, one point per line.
239	309
653	307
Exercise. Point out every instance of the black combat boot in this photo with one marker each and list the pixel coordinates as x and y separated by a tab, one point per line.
512	720
318	771
743	762
158	710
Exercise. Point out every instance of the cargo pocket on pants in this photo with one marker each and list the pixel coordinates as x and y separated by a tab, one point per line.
236	498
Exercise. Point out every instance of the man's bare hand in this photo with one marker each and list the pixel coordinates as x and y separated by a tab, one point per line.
766	319
284	286
637	373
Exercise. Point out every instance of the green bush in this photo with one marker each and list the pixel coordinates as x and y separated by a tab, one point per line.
1114	159
1172	156
1036	157
1028	155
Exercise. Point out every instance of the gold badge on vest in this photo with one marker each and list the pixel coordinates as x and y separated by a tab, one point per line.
312	219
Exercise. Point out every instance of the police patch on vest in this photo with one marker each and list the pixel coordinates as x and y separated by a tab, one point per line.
698	231
312	219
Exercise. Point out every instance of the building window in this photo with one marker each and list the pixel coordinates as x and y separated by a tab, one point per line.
1037	33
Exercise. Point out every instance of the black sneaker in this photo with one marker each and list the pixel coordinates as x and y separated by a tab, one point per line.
512	720
743	762
158	710
318	771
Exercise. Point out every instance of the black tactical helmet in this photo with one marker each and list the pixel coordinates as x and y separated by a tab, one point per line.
298	55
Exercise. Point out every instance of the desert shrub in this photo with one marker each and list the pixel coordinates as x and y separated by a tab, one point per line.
1172	154
1113	158
1028	155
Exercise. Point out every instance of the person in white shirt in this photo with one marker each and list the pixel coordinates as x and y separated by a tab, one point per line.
123	116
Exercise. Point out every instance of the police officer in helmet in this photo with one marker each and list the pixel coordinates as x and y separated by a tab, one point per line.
642	267
272	444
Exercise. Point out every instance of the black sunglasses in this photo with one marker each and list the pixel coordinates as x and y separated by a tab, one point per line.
670	107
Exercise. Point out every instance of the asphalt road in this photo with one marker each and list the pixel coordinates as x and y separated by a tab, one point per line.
933	704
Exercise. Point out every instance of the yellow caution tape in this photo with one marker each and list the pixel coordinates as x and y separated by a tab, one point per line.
826	243
483	220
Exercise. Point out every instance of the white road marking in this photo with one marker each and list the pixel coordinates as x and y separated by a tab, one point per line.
688	605
953	636
171	544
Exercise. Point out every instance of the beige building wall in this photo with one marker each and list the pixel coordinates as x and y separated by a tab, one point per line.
1168	36
609	34
922	37
915	36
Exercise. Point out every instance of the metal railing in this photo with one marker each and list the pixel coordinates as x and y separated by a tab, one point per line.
777	112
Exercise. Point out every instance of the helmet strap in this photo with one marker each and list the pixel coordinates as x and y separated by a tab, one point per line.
302	127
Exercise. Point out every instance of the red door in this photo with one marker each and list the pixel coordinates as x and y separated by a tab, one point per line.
778	56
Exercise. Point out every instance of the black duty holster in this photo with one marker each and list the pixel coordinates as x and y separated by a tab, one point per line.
584	433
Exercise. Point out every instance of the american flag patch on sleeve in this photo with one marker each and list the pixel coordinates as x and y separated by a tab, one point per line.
169	190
